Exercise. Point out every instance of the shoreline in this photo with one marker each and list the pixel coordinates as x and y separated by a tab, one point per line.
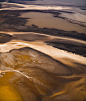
58	9
74	46
40	64
56	14
14	23
42	47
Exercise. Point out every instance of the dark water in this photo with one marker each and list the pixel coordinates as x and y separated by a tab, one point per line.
64	2
56	2
71	2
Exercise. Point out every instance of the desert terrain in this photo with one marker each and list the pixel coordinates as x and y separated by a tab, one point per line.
42	53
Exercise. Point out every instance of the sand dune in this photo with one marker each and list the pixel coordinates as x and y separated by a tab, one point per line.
41	67
36	76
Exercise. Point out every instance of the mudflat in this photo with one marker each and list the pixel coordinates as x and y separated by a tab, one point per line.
42	55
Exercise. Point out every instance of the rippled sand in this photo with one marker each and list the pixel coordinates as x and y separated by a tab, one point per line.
51	80
41	72
37	66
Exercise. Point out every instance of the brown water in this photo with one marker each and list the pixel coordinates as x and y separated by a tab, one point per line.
47	20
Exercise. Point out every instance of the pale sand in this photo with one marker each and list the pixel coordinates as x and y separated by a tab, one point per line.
46	49
32	7
44	79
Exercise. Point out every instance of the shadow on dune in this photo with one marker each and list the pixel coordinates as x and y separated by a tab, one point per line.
5	38
51	80
64	44
68	45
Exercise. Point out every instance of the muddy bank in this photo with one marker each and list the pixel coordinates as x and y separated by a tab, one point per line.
5	38
30	37
69	46
64	44
12	22
59	11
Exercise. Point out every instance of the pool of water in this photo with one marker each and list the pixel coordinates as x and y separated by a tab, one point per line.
47	20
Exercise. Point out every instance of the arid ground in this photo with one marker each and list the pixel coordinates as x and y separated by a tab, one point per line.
42	54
